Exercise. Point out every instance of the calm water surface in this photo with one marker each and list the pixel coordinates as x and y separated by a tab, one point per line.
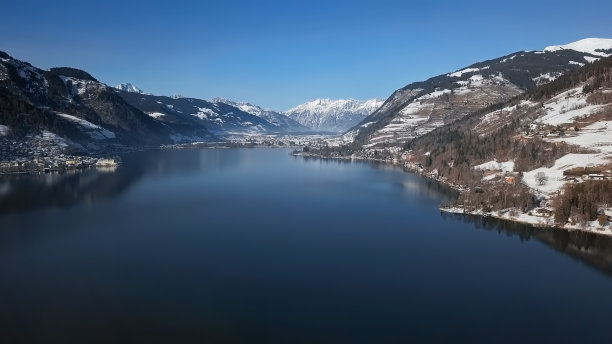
254	245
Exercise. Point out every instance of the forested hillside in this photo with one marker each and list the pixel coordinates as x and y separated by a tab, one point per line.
555	134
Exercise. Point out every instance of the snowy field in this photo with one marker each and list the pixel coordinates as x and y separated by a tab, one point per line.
555	173
494	165
596	136
567	107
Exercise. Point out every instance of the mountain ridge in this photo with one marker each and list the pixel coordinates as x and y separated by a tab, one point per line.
276	118
325	114
422	106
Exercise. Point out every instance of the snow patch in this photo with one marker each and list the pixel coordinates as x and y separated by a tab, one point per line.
566	107
494	165
94	131
588	45
546	78
459	73
203	113
555	173
434	94
597	136
54	139
156	114
495	115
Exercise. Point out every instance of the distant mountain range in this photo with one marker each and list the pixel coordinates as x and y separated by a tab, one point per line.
221	116
73	107
129	88
334	116
70	108
216	117
275	118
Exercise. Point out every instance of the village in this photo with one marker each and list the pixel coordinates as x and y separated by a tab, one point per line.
259	140
36	155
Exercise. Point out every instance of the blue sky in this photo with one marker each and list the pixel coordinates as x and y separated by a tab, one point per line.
278	54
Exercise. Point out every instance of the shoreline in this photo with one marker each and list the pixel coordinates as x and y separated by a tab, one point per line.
540	222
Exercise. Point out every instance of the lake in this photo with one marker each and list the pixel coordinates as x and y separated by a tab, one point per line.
255	245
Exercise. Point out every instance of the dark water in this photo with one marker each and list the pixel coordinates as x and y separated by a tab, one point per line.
254	245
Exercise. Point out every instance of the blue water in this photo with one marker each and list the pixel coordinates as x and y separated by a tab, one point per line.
255	245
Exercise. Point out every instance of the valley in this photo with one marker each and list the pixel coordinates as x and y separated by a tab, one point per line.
525	125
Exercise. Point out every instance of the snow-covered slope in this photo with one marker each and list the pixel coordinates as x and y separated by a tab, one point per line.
421	107
127	87
595	46
333	115
282	122
193	115
577	116
71	104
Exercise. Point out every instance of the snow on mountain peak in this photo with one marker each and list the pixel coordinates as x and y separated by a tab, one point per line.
127	87
333	115
329	105
276	119
595	46
244	106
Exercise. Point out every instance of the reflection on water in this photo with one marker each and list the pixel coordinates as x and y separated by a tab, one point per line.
23	193
106	169
592	249
255	245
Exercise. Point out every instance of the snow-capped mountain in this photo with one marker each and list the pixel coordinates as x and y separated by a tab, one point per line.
127	87
420	107
333	115
595	46
220	116
69	107
556	140
282	122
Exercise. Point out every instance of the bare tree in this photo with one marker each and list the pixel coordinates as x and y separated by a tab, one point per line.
541	178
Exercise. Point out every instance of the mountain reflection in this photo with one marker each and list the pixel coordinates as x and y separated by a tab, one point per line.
22	193
592	249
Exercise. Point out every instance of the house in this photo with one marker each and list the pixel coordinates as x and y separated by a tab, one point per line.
605	212
553	133
510	179
409	157
596	176
542	212
571	179
106	163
